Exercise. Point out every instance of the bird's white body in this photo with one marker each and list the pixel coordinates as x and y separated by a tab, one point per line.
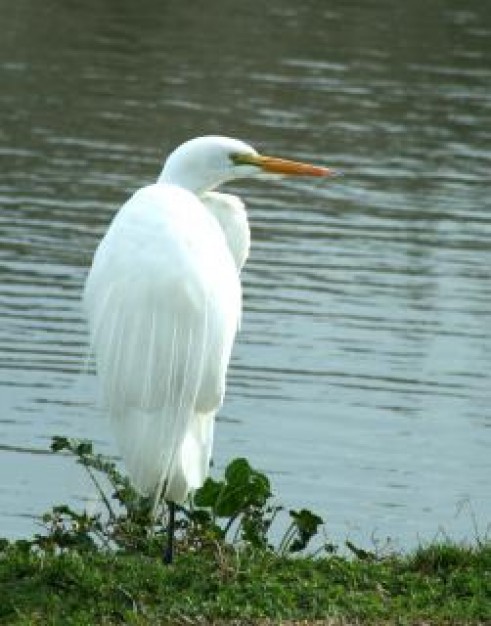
163	301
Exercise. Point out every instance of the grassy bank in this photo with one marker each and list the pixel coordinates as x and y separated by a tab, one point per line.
97	570
437	585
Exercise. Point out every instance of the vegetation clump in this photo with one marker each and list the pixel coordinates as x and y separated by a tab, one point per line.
106	568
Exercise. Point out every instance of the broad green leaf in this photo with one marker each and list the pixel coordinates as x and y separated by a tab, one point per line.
208	494
306	521
238	472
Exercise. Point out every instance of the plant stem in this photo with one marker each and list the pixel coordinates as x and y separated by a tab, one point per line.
112	515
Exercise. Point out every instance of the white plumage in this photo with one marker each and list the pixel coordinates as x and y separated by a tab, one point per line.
163	301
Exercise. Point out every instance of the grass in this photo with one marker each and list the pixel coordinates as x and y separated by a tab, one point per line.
441	584
91	571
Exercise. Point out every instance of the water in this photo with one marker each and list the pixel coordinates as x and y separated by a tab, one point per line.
361	380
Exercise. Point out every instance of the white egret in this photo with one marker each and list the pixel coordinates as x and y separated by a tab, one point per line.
163	301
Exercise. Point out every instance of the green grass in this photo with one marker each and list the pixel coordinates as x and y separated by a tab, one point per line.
441	584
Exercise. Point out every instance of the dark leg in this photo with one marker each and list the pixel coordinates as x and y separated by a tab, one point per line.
169	548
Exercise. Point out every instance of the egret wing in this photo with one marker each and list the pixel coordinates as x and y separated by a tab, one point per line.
163	302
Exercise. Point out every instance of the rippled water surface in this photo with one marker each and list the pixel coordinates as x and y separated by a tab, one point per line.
361	380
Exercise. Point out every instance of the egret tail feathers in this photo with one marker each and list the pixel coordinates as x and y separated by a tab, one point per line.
146	457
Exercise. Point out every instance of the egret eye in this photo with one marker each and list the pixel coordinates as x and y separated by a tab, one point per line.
239	158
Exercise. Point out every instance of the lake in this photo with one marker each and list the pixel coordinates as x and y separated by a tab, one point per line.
361	379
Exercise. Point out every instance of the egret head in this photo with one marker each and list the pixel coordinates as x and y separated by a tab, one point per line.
203	163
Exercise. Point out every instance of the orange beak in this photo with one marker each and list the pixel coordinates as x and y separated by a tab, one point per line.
275	165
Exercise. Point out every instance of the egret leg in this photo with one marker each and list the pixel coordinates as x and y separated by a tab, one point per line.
169	548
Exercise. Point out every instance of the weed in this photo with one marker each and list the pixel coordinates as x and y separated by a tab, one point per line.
236	510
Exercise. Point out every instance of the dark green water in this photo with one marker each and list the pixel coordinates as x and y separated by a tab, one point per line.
362	377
